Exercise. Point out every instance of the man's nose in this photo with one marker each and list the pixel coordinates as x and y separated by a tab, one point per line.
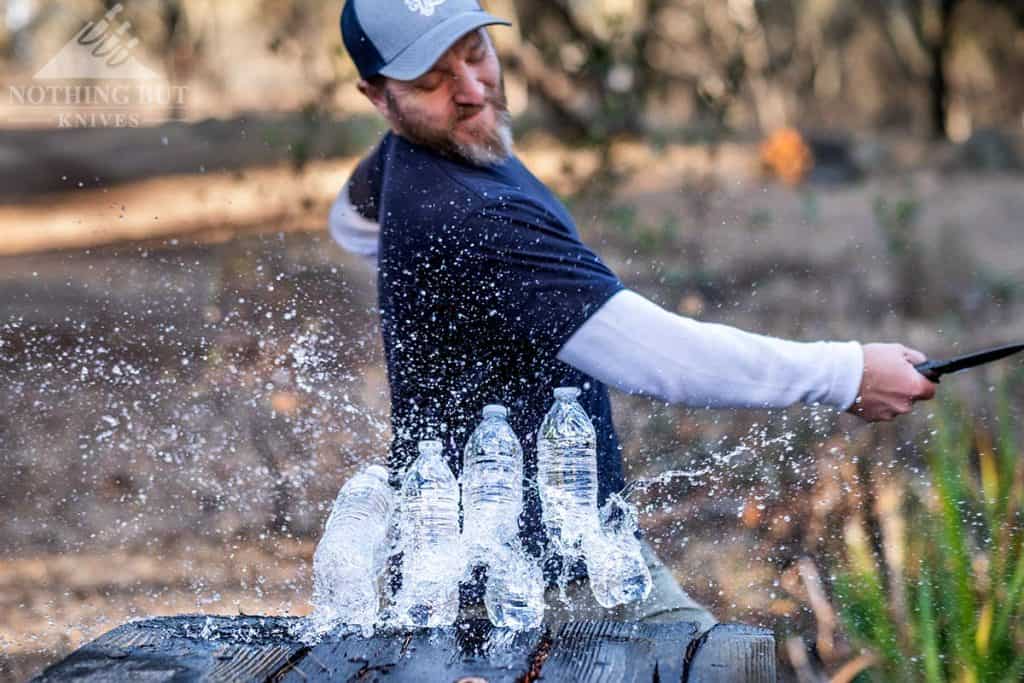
469	89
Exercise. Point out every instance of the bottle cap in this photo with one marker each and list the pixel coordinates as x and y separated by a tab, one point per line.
430	446
377	472
567	393
495	409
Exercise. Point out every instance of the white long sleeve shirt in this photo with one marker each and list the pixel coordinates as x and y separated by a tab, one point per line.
636	346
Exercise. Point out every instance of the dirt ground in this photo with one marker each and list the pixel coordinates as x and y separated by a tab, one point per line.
54	603
179	412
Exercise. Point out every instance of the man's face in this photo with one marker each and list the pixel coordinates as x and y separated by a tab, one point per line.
457	108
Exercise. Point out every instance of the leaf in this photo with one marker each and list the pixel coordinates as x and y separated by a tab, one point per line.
927	632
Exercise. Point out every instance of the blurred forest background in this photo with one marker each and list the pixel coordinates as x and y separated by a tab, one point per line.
190	369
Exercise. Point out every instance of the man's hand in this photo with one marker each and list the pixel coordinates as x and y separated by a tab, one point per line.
890	384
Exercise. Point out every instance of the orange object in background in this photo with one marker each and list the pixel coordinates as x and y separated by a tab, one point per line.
784	154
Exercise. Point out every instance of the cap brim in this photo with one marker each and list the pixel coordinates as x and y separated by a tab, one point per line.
418	58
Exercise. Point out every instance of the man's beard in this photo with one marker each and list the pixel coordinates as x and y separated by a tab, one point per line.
491	145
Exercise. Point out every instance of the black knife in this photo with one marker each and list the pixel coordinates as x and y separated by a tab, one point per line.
934	369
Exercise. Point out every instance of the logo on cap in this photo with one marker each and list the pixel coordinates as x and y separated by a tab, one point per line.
424	7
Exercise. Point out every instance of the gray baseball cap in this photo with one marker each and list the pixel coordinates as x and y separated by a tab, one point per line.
402	39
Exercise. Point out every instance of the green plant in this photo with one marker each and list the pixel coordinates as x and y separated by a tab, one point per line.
897	221
954	610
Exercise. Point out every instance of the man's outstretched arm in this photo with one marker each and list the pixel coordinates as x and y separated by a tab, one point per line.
638	347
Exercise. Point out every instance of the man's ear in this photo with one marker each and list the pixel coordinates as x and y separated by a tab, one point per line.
376	95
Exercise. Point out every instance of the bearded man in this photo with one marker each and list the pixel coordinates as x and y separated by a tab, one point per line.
487	294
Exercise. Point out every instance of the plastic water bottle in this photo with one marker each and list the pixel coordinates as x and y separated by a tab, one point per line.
492	484
350	556
429	538
567	472
514	597
617	570
615	564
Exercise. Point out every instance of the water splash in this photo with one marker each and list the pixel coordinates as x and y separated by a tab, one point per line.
757	440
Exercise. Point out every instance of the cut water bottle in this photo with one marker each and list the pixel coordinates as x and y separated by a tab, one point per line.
492	485
567	472
515	588
432	559
349	559
615	563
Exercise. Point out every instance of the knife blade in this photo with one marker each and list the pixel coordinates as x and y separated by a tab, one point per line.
934	369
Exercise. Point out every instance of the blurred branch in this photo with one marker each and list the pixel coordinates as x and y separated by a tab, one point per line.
920	34
796	650
567	102
939	82
823	612
646	75
567	18
853	668
606	92
902	28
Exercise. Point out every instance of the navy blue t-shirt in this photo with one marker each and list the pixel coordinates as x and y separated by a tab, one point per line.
482	279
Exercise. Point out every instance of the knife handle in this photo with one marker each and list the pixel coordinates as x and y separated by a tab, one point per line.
928	370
